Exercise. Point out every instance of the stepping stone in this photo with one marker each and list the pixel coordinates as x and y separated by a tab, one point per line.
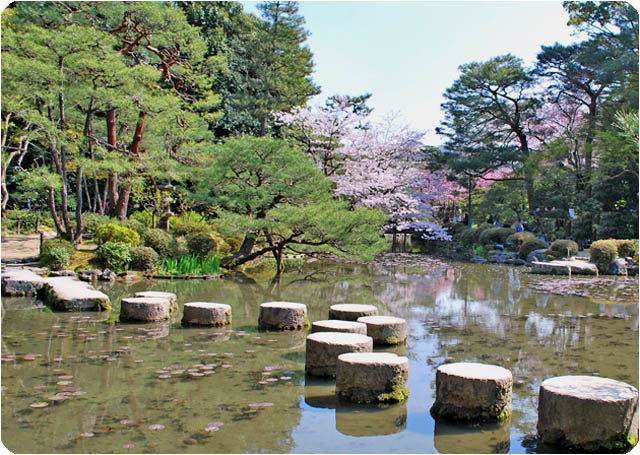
170	296
351	311
19	281
385	329
323	349
564	268
71	294
370	377
588	413
472	392
283	316
335	325
206	313
145	309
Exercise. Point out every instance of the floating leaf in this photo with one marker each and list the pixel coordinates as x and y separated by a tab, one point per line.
156	426
39	404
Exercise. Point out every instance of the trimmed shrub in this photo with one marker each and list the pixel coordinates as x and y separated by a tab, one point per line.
134	225
144	258
115	255
531	245
201	243
189	223
627	248
602	253
112	232
465	236
455	228
495	235
159	240
91	222
177	249
563	248
518	239
57	243
145	217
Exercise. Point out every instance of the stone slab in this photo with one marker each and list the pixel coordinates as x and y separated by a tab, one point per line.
71	294
19	281
562	268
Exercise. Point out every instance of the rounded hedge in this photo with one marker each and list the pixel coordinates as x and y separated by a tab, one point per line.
518	238
144	258
627	248
603	253
135	225
57	258
159	240
495	235
112	232
201	243
531	245
563	248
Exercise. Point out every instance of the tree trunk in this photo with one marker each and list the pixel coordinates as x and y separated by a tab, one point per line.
54	214
112	180
79	202
244	254
123	201
277	254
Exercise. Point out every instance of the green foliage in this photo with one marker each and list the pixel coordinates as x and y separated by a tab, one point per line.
145	217
48	245
190	265
495	235
563	248
56	258
28	221
200	243
92	221
188	223
466	236
143	258
112	232
602	253
134	225
479	250
115	255
159	240
531	245
518	238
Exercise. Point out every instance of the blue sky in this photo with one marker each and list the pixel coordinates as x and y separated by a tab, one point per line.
407	53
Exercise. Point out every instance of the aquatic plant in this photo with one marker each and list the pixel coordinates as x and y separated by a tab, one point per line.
190	265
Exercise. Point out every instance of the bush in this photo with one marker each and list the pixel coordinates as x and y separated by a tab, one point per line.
602	253
29	219
189	223
57	258
627	248
115	255
134	225
495	235
531	245
518	239
234	243
48	245
91	222
145	217
201	243
563	248
159	240
112	232
144	258
465	236
177	249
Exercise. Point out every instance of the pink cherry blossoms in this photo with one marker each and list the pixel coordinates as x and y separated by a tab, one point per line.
380	165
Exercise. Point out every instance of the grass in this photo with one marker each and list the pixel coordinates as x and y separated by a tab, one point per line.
190	265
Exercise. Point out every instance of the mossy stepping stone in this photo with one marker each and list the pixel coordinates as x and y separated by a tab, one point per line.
335	325
368	377
351	311
206	313
385	329
323	349
283	316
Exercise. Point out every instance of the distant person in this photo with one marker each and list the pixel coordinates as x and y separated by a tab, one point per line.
465	220
518	226
490	220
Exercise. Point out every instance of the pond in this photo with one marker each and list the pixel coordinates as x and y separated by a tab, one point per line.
161	388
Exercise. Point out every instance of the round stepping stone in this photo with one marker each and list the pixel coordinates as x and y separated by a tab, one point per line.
283	316
370	377
351	311
472	392
335	325
206	313
588	413
323	349
170	296
144	309
385	329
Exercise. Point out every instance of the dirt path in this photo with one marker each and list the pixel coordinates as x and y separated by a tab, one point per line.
22	246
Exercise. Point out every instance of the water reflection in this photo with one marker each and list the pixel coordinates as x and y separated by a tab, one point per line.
485	438
253	382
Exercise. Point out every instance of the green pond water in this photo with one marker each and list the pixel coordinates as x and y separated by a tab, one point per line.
161	388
